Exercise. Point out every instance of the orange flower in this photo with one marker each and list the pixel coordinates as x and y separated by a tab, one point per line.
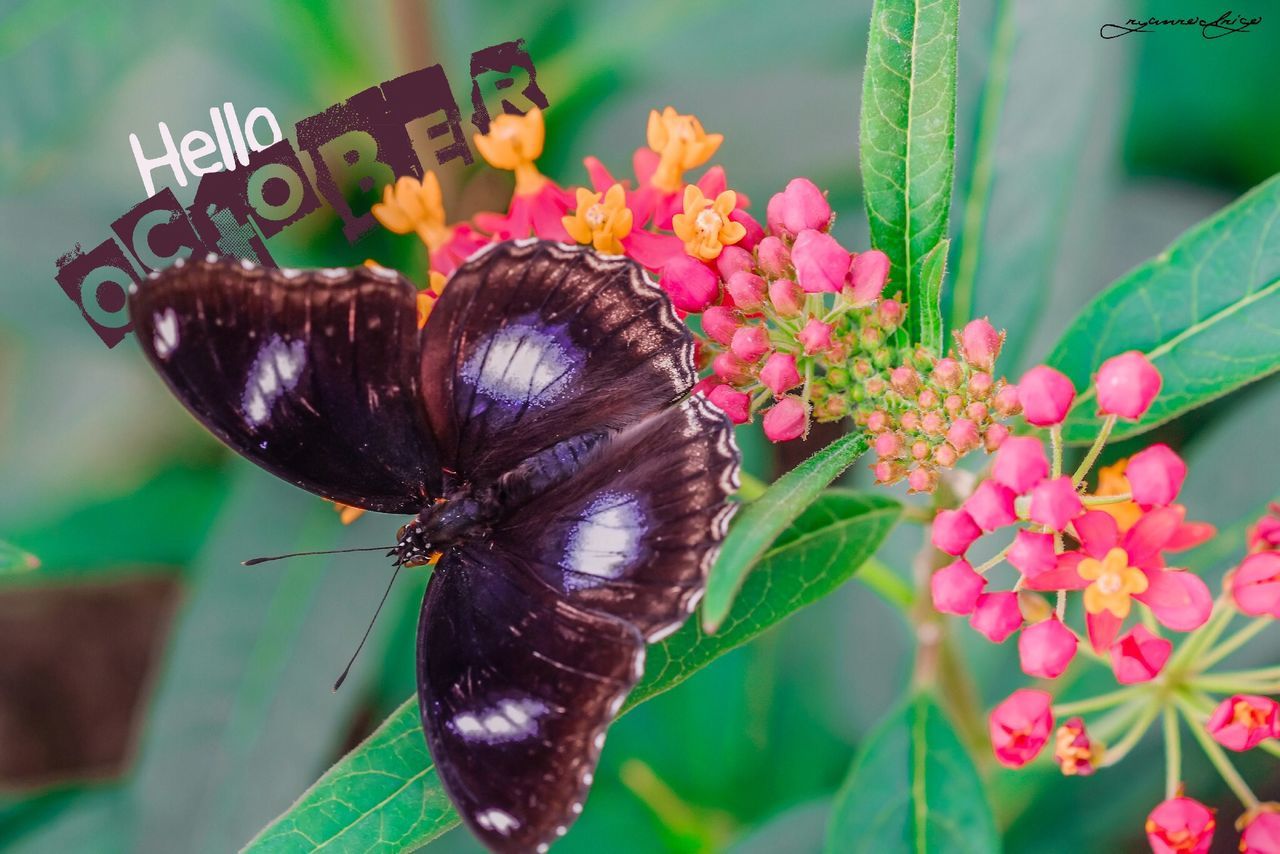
602	219
705	226
681	144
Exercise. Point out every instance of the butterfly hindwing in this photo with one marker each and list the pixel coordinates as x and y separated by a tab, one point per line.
313	374
516	688
533	342
634	532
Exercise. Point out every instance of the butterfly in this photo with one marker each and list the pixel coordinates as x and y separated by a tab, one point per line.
539	428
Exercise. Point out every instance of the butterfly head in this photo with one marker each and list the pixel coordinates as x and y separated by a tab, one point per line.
413	546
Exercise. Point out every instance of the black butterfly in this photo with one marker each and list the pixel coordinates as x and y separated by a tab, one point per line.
541	431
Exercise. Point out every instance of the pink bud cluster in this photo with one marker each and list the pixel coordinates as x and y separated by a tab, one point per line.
932	411
792	322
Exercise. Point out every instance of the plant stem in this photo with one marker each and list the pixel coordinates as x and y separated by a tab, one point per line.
1217	685
1112	722
1135	733
1099	500
1172	753
1234	642
994	561
1055	441
885	582
1218	757
1096	448
1094	704
1203	637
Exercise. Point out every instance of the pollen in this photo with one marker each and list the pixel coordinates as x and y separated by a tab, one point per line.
601	220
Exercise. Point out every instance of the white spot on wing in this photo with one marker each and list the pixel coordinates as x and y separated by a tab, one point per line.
520	363
499	821
166	333
509	720
604	542
274	371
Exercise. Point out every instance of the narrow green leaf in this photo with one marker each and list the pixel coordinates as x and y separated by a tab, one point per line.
764	519
385	794
932	271
14	559
1206	311
912	788
908	140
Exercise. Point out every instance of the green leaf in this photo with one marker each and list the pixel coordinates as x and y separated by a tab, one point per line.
908	140
912	788
386	794
932	271
1206	311
766	518
14	559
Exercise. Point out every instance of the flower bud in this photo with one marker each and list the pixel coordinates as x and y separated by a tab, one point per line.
919	449
1255	585
779	373
816	336
747	289
945	455
752	234
838	377
719	323
736	404
1260	830
773	257
868	272
1180	826
733	259
994	437
1019	727
887	472
980	385
1045	649
955	588
786	296
888	444
889	312
1074	751
980	344
927	399
692	285
821	262
948	373
1127	385
932	424
991	506
996	616
922	479
1046	396
1138	655
963	434
731	369
1032	554
1244	721
1020	463
798	207
1055	503
977	412
954	531
878	421
1007	402
910	421
785	420
750	343
1155	476
905	381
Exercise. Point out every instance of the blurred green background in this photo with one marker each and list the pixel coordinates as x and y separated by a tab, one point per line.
142	637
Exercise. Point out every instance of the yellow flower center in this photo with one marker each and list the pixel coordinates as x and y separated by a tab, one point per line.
1114	582
1247	715
513	143
681	144
410	206
705	226
602	219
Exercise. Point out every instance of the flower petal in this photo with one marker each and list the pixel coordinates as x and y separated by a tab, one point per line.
1152	533
1062	577
1103	628
1097	533
1179	599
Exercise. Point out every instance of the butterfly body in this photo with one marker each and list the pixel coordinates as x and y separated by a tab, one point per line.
540	432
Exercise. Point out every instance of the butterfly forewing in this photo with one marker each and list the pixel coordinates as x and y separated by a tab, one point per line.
516	689
313	375
533	342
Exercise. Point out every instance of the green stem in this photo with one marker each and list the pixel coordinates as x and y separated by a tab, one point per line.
994	561
1135	733
1219	685
1096	448
1234	642
1055	441
885	582
1204	637
1218	756
1099	500
1172	753
1094	704
1105	730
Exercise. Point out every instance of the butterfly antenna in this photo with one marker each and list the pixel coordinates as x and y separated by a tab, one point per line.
347	669
257	560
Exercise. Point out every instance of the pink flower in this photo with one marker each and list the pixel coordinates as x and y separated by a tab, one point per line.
1180	826
779	373
733	259
996	615
1127	384
991	506
1255	584
890	313
774	256
720	322
787	419
816	336
821	262
800	206
888	444
1020	464
691	284
747	289
963	435
1020	726
956	588
731	369
787	297
1261	833
980	343
1074	751
753	233
867	274
736	404
954	531
1032	553
1243	721
1114	570
1055	503
1007	402
1046	648
1046	396
995	437
922	479
750	343
1265	534
1155	476
1139	656
948	373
